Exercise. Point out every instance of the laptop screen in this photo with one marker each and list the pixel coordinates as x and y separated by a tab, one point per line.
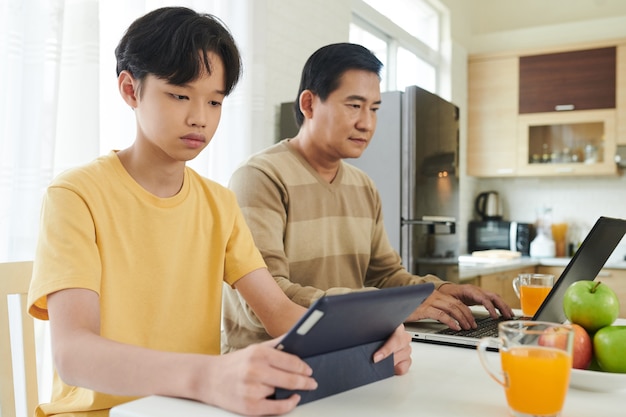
584	265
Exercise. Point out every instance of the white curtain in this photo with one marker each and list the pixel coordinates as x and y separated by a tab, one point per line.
59	105
59	108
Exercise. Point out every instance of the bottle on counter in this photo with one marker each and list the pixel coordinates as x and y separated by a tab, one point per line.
559	235
543	245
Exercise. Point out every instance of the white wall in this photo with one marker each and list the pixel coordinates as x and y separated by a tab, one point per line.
293	30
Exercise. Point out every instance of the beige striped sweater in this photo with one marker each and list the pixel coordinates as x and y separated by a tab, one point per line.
316	238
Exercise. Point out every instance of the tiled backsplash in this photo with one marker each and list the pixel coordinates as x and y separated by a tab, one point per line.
578	201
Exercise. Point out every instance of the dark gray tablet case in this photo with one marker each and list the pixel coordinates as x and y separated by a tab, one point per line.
339	335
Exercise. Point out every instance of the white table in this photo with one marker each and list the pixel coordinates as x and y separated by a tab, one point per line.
443	381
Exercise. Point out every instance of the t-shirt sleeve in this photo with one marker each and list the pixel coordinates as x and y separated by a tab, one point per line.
67	232
242	255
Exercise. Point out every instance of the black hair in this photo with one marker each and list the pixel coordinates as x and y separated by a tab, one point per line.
172	43
323	70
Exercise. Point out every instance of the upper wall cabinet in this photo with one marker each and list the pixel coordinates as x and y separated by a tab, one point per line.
578	142
553	114
577	80
492	117
621	95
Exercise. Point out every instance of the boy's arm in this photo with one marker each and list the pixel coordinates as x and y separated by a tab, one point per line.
270	304
239	381
278	314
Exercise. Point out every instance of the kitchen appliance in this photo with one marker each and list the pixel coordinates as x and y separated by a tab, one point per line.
499	234
488	205
413	160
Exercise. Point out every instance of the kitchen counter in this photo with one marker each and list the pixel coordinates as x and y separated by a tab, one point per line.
564	261
468	271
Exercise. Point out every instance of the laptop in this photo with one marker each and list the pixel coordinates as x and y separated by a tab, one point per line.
584	265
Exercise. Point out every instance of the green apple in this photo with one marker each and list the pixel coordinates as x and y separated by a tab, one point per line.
609	345
590	304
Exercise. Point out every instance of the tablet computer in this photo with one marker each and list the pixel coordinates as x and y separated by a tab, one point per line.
339	334
336	322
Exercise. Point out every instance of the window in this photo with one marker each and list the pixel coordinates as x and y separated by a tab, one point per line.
47	49
373	40
408	38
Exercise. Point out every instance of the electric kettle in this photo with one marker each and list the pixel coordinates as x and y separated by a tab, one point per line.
488	205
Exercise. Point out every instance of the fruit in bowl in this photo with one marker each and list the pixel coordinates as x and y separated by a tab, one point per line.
609	344
582	350
591	304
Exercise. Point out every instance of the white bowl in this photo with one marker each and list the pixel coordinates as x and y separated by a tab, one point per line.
597	381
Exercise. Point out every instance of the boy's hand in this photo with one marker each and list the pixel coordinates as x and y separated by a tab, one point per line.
243	380
398	344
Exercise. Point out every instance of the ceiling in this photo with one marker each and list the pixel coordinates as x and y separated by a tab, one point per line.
489	16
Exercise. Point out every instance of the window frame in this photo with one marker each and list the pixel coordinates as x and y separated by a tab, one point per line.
369	19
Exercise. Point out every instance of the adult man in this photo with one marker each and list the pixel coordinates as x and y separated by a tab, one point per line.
317	220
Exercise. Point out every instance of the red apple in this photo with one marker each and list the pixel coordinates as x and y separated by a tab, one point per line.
554	337
583	348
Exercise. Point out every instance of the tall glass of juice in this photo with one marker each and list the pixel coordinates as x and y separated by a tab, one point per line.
535	365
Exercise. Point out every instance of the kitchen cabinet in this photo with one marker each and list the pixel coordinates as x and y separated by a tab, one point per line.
572	80
552	270
492	117
614	278
567	143
621	95
511	135
502	283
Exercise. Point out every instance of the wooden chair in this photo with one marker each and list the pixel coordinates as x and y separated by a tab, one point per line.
15	280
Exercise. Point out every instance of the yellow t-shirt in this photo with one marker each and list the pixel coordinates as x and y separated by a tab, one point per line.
158	264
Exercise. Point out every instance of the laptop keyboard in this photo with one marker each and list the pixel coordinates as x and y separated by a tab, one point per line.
486	327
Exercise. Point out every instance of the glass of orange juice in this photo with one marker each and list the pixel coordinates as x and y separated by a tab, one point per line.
535	365
532	289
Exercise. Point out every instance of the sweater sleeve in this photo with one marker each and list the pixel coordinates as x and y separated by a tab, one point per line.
385	267
263	200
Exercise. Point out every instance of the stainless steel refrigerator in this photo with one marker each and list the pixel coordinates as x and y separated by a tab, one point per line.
413	159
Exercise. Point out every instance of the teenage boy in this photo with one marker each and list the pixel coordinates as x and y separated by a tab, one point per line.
318	220
135	246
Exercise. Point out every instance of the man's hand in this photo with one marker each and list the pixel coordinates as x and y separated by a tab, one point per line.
473	295
398	344
448	305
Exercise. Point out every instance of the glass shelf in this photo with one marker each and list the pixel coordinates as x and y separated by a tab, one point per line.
566	143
